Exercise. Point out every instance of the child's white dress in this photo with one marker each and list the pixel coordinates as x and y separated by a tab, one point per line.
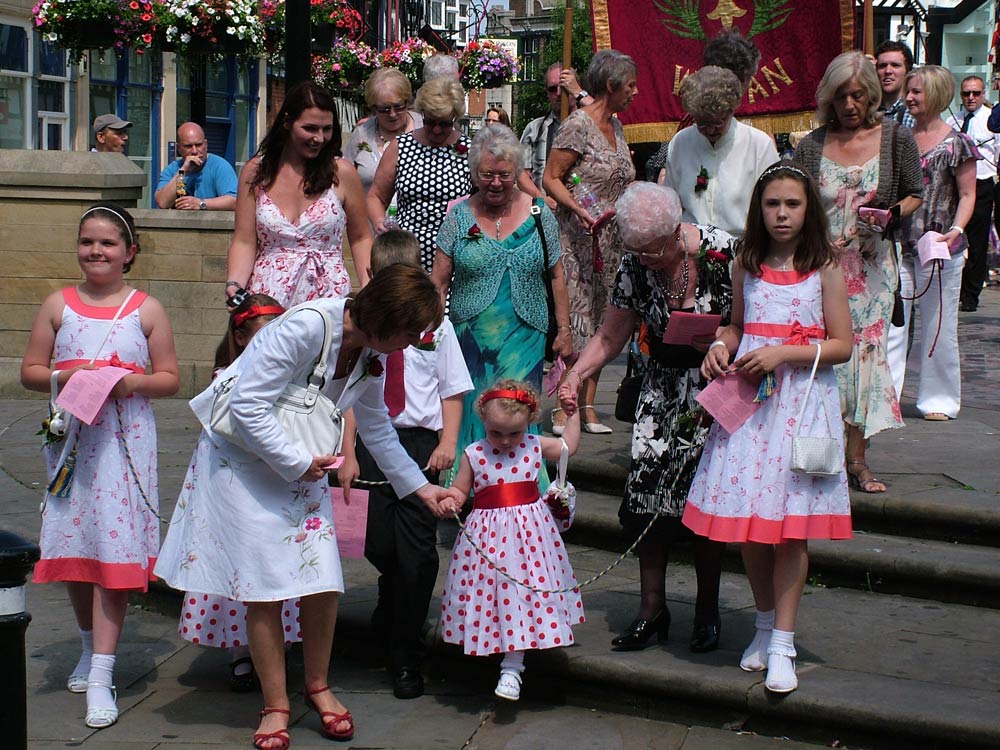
487	613
103	533
744	489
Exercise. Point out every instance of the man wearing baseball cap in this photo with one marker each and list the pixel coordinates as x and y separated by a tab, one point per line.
111	133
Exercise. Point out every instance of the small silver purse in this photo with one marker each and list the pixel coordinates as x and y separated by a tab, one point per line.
816	456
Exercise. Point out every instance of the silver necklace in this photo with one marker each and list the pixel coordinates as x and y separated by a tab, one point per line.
503	213
675	288
782	266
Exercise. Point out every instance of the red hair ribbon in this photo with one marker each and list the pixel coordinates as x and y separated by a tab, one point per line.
255	311
522	397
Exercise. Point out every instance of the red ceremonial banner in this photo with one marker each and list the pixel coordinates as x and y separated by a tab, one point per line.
797	40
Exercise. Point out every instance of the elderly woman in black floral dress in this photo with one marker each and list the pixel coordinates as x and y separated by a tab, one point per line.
668	266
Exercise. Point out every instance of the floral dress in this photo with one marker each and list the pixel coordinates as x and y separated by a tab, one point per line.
607	171
104	532
303	259
665	449
428	178
744	489
867	395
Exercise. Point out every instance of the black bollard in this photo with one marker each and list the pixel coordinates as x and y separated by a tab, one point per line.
17	558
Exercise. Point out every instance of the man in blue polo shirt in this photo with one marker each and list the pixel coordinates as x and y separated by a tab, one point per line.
196	180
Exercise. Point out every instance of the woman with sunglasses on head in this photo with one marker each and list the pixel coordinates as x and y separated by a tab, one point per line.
425	169
490	257
668	267
387	94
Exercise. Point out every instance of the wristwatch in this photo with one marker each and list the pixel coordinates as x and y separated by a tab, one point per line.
202	205
580	97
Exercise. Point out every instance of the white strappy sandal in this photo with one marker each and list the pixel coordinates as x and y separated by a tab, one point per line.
509	686
102	718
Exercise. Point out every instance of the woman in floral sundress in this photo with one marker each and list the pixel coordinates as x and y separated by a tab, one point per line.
858	161
591	144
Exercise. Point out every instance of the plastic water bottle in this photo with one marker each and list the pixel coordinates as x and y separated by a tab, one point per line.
391	222
587	198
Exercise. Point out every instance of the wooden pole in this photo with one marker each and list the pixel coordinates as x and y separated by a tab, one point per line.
868	29
567	56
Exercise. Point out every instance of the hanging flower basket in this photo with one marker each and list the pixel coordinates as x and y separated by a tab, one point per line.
407	56
330	20
346	67
80	25
486	65
210	27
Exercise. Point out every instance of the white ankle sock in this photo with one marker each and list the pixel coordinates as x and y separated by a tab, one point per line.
514	661
764	619
100	681
782	642
754	657
86	652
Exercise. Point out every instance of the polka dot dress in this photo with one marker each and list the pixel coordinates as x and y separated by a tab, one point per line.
427	178
210	620
487	613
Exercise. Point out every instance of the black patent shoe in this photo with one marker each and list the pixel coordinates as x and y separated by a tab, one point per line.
640	631
705	638
408	683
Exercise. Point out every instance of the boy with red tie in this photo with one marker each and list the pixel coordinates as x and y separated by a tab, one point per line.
424	390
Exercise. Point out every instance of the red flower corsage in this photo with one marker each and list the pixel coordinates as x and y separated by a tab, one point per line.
460	148
427	342
701	182
474	233
373	369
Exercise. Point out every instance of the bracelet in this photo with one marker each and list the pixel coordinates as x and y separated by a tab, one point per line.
572	371
233	283
562	328
961	230
718	342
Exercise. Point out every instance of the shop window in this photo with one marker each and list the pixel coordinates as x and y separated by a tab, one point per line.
15	114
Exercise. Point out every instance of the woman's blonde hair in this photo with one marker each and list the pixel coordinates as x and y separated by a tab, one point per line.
843	68
939	86
387	81
711	93
441	98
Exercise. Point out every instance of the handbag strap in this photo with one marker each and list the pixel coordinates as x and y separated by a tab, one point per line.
802	409
107	333
536	214
563	464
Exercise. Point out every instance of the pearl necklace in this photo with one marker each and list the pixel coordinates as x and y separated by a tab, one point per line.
676	289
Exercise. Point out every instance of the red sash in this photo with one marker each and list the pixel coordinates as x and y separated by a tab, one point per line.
507	495
796	333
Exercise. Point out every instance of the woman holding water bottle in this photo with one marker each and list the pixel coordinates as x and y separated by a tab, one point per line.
587	170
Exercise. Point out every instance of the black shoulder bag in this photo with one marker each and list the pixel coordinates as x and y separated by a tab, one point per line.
550	302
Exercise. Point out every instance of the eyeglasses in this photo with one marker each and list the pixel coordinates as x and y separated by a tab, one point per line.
972	93
488	177
432	124
391	108
715	125
644	254
553	88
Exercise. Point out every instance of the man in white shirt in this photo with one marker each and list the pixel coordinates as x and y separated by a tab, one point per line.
973	121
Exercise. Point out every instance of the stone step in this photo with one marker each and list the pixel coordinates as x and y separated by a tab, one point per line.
878	562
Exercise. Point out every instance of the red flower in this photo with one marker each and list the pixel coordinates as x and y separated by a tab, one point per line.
427	337
375	368
716	255
461	148
474	233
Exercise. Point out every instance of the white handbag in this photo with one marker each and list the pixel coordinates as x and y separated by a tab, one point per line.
308	418
561	495
816	456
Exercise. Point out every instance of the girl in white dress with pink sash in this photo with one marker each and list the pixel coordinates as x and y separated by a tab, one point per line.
100	529
789	297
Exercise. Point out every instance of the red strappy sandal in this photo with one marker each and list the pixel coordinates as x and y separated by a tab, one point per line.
329	724
281	735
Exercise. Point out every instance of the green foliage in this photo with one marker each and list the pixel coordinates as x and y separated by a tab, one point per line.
682	18
531	99
768	15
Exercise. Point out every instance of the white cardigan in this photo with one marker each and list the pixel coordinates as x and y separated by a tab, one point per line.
285	352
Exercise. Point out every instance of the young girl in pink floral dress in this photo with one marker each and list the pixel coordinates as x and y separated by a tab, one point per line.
488	612
789	298
100	531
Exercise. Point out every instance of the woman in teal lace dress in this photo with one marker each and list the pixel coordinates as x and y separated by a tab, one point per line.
860	160
490	256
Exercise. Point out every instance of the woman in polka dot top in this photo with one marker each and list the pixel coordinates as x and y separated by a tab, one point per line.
508	576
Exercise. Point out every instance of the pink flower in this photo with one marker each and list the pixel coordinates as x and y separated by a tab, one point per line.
300	537
312	523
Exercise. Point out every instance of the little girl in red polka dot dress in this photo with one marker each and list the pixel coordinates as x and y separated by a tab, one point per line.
483	610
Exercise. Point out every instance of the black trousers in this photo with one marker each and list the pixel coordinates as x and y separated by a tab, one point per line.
978	235
401	542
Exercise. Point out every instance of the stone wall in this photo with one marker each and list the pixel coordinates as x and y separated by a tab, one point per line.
182	263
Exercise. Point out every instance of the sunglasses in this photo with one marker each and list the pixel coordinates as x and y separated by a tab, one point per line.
397	108
432	124
972	93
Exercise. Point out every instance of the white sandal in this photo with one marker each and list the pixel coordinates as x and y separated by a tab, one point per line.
557	429
754	657
509	685
102	718
594	428
77	682
781	676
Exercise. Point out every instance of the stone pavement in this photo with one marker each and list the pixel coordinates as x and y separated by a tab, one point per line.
876	670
